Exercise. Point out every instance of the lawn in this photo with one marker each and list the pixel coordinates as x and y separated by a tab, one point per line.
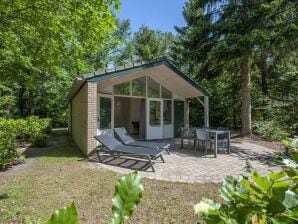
56	175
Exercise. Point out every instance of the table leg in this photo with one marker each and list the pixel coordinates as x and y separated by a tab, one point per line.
215	145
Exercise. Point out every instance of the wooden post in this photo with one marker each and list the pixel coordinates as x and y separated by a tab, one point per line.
206	111
186	113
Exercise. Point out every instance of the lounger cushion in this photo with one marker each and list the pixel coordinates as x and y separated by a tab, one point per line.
113	144
150	144
127	140
123	135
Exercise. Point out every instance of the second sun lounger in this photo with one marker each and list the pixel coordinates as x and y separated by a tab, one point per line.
127	140
115	148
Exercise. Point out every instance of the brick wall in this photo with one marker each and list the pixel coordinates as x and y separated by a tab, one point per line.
83	117
92	116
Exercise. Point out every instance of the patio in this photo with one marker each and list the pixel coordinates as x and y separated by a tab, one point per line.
187	165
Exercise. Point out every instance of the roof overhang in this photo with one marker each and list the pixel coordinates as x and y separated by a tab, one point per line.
76	86
163	71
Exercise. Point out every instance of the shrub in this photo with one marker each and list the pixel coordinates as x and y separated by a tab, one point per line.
8	152
254	199
39	140
32	129
268	130
291	145
36	127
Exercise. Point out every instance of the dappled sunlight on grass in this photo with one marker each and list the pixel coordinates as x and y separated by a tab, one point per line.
58	177
60	147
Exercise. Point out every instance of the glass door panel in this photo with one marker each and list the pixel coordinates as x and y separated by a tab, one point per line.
154	107
105	112
154	119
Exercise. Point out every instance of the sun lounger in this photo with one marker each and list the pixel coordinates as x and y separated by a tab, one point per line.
127	140
114	147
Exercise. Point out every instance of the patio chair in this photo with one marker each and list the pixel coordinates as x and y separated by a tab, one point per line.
186	133
124	137
202	136
115	148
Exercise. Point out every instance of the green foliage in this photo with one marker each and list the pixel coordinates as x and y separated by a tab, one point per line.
33	129
8	144
269	130
128	193
290	161
36	129
254	199
219	35
151	44
52	33
66	215
291	145
43	45
7	100
39	139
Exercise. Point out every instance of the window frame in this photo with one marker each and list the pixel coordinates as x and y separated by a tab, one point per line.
171	111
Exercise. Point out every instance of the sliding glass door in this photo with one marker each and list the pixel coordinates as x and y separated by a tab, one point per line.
154	119
105	112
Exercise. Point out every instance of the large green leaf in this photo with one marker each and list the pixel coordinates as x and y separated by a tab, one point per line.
278	175
128	193
261	182
290	200
228	188
253	189
66	215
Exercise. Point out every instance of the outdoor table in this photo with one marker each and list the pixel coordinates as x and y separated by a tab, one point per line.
213	132
216	133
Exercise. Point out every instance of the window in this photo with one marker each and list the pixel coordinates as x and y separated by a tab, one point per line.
167	112
139	87
165	93
153	89
122	88
154	113
105	113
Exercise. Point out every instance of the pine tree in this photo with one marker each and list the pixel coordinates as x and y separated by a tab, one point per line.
219	33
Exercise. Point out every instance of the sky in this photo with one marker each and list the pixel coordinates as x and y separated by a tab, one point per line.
156	14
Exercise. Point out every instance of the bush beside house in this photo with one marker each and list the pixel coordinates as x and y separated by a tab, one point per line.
12	131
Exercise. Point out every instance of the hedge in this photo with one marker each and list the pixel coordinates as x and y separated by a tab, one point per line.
32	129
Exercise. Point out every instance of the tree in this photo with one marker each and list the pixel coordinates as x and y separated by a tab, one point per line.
42	40
118	50
151	44
220	34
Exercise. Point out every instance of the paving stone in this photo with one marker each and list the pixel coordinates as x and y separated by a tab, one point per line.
187	165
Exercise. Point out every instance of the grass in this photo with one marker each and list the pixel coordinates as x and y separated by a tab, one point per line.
57	175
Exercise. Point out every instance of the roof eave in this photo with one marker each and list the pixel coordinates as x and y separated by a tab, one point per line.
141	67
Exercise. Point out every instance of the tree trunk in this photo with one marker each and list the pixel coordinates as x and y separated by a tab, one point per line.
246	97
